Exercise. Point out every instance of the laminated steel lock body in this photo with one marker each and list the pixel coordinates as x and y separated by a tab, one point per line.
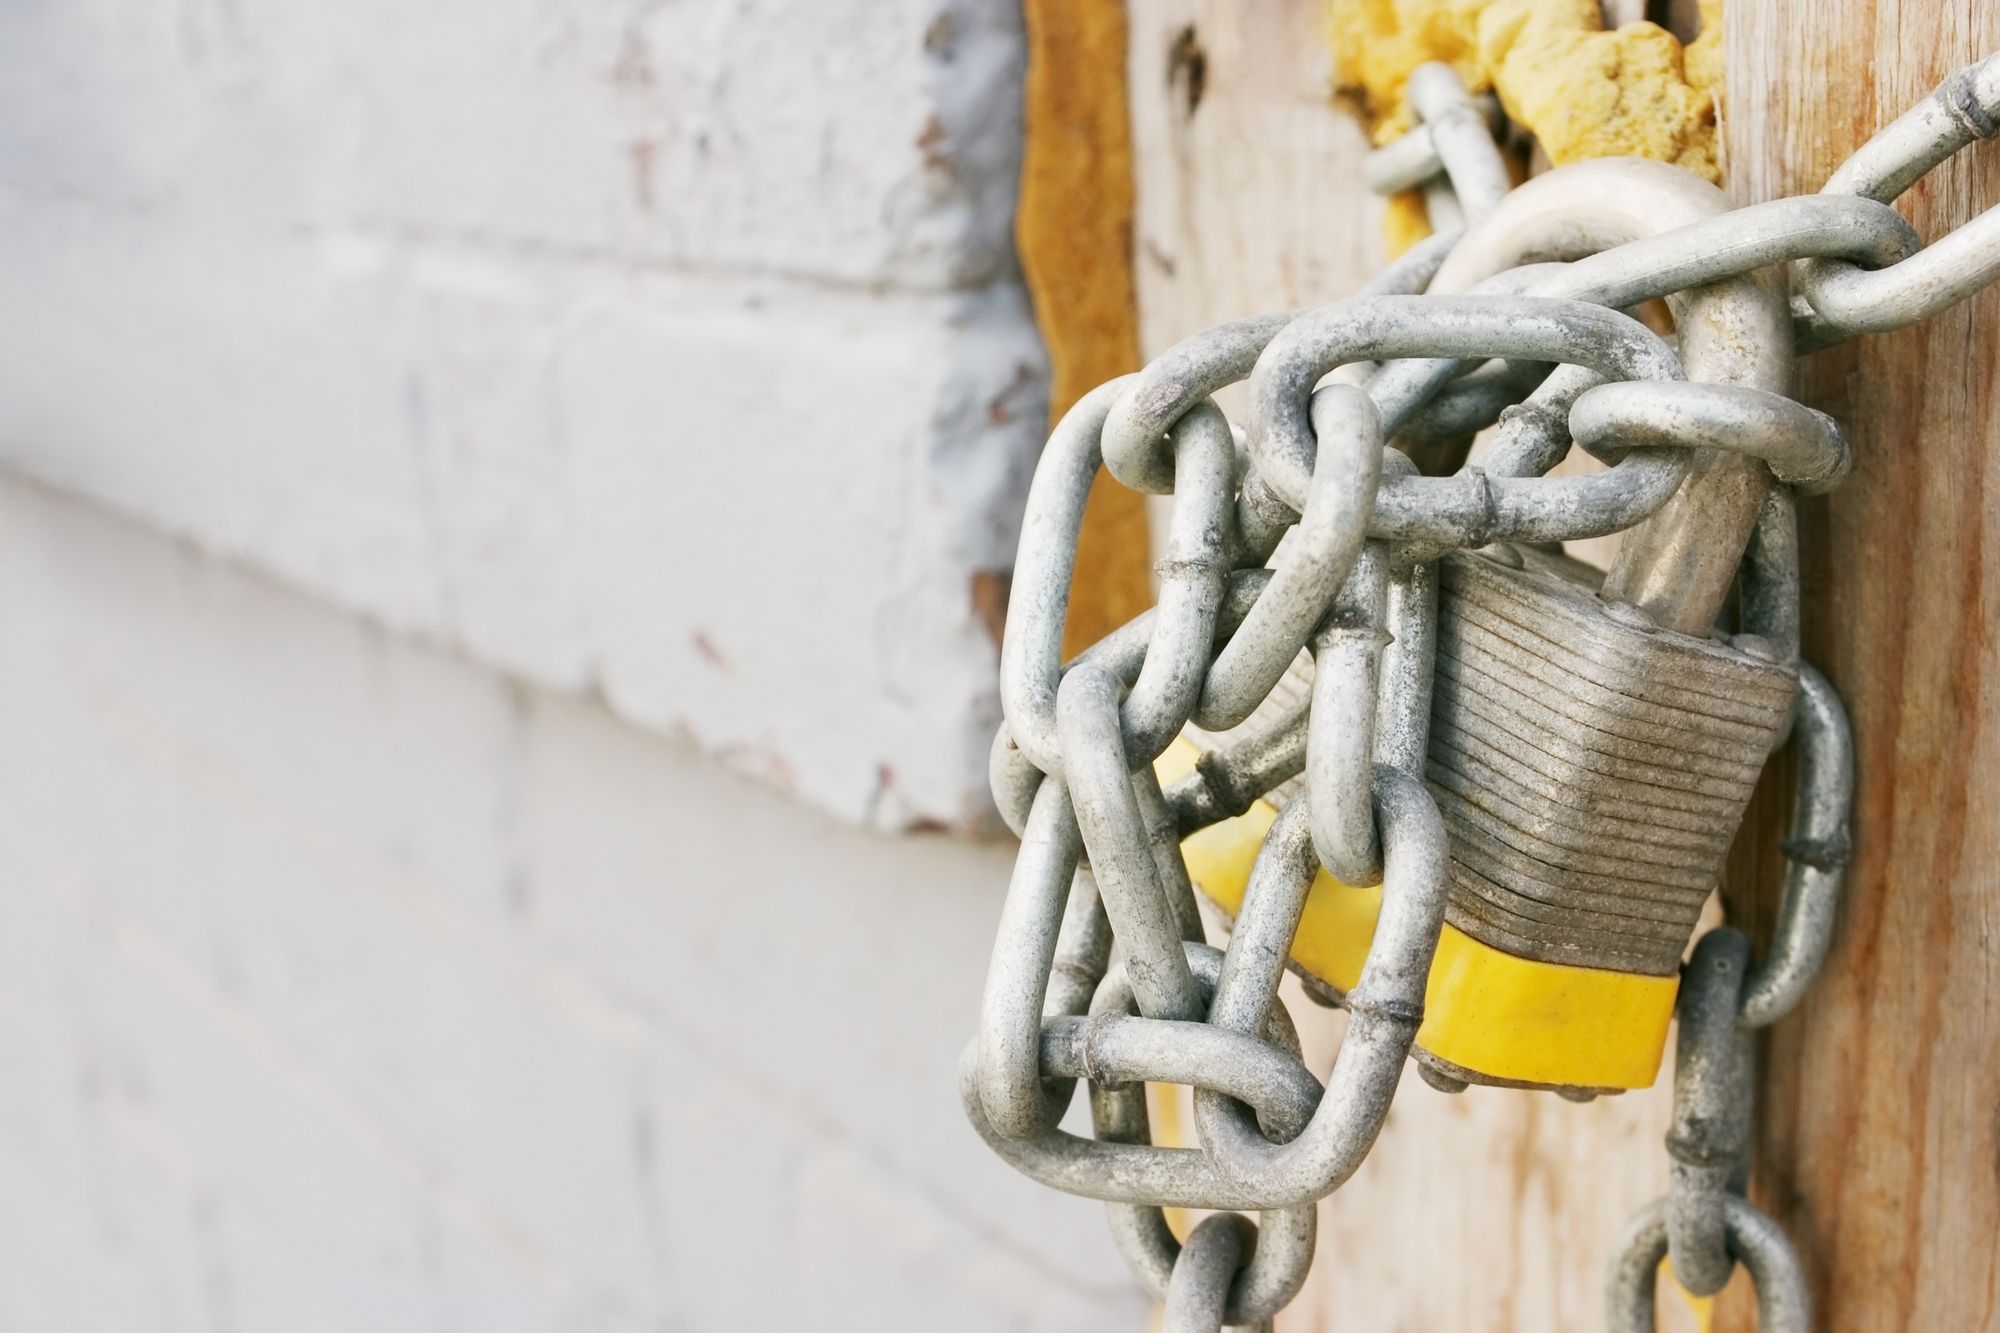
1591	769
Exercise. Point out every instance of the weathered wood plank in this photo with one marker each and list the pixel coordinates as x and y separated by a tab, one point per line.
1879	1142
1248	193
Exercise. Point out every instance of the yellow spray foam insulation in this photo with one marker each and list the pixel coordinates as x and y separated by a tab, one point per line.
1583	92
1405	223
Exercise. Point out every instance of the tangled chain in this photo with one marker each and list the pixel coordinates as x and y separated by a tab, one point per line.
1304	532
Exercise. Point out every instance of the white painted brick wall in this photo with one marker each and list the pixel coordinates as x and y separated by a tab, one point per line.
345	985
669	350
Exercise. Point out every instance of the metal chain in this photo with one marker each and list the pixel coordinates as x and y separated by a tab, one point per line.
1304	532
1704	1223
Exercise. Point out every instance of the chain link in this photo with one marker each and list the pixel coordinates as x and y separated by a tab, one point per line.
1304	532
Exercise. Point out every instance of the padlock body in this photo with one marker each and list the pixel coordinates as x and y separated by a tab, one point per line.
1592	771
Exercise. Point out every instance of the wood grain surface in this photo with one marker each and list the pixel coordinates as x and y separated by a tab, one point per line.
1879	1137
1249	195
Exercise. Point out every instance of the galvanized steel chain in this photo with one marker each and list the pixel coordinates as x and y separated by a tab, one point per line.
1409	741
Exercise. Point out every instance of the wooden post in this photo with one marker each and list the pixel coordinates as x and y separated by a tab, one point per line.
1879	1126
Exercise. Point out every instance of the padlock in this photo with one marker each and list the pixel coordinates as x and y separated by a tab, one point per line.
1591	768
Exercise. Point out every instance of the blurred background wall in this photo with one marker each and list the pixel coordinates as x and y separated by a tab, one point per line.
656	350
432	433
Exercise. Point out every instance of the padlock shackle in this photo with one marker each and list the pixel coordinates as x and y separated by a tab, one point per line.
1678	564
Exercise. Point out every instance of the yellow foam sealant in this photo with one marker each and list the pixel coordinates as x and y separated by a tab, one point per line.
1582	91
1484	1010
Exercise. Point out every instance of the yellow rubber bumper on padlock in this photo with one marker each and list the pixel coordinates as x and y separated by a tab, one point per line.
1491	1013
